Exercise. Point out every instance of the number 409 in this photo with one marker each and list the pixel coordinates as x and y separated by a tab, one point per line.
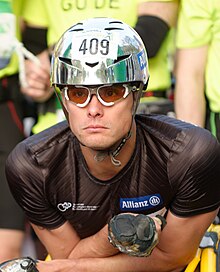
95	46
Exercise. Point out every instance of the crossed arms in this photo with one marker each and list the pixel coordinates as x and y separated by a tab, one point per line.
178	243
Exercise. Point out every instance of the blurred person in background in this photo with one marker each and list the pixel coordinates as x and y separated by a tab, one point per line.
12	221
197	94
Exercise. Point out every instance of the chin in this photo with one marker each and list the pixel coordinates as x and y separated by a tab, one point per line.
97	145
98	142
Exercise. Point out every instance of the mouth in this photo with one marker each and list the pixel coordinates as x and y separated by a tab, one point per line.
95	128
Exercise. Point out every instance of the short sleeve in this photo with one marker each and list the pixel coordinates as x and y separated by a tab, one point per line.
195	170
34	12
194	26
26	179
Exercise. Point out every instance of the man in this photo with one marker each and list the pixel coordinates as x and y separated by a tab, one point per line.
197	67
71	179
12	222
153	20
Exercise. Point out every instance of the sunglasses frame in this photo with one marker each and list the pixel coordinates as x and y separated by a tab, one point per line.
95	90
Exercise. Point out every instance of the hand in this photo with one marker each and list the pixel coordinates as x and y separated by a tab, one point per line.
38	79
64	265
135	235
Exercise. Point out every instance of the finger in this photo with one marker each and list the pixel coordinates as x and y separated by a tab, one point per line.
38	95
36	71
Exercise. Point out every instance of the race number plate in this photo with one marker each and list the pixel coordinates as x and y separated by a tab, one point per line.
94	45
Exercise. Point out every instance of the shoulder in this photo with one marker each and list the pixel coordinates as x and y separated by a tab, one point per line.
40	147
162	125
177	135
48	137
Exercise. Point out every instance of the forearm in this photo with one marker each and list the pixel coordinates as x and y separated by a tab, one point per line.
157	262
94	246
190	104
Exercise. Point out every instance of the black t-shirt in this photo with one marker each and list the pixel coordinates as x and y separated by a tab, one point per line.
175	166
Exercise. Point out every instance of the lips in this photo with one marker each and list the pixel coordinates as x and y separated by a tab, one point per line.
95	128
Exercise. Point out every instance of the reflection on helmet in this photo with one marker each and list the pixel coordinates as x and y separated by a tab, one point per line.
99	51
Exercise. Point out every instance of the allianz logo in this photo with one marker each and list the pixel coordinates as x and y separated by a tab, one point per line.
140	203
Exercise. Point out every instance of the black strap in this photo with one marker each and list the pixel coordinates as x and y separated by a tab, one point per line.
153	31
35	39
163	221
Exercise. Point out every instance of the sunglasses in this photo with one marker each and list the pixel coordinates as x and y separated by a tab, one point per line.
107	95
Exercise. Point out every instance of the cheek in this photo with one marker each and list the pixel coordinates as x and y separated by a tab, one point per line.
124	116
75	118
128	107
76	126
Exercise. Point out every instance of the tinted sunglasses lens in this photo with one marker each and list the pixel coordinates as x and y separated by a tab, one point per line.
77	95
111	93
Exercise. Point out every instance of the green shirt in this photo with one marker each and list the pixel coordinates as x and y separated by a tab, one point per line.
199	25
15	7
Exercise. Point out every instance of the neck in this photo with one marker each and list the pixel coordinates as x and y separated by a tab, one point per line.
105	169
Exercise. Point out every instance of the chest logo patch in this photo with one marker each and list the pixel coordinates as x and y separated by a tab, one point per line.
140	203
64	206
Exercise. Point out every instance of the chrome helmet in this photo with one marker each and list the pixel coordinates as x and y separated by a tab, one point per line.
99	51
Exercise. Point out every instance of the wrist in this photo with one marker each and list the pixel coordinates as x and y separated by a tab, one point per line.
160	220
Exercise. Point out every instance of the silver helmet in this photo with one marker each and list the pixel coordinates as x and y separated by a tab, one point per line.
99	51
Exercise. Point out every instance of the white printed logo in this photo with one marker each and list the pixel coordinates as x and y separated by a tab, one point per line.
76	207
64	206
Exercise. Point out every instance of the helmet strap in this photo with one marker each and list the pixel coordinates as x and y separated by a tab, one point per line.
101	155
137	98
63	107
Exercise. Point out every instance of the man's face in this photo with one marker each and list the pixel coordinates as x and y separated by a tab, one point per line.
98	126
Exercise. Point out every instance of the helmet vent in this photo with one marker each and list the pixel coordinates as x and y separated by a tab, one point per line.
67	61
116	22
76	30
92	64
73	28
120	58
113	28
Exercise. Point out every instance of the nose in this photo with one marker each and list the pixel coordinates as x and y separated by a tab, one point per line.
94	108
